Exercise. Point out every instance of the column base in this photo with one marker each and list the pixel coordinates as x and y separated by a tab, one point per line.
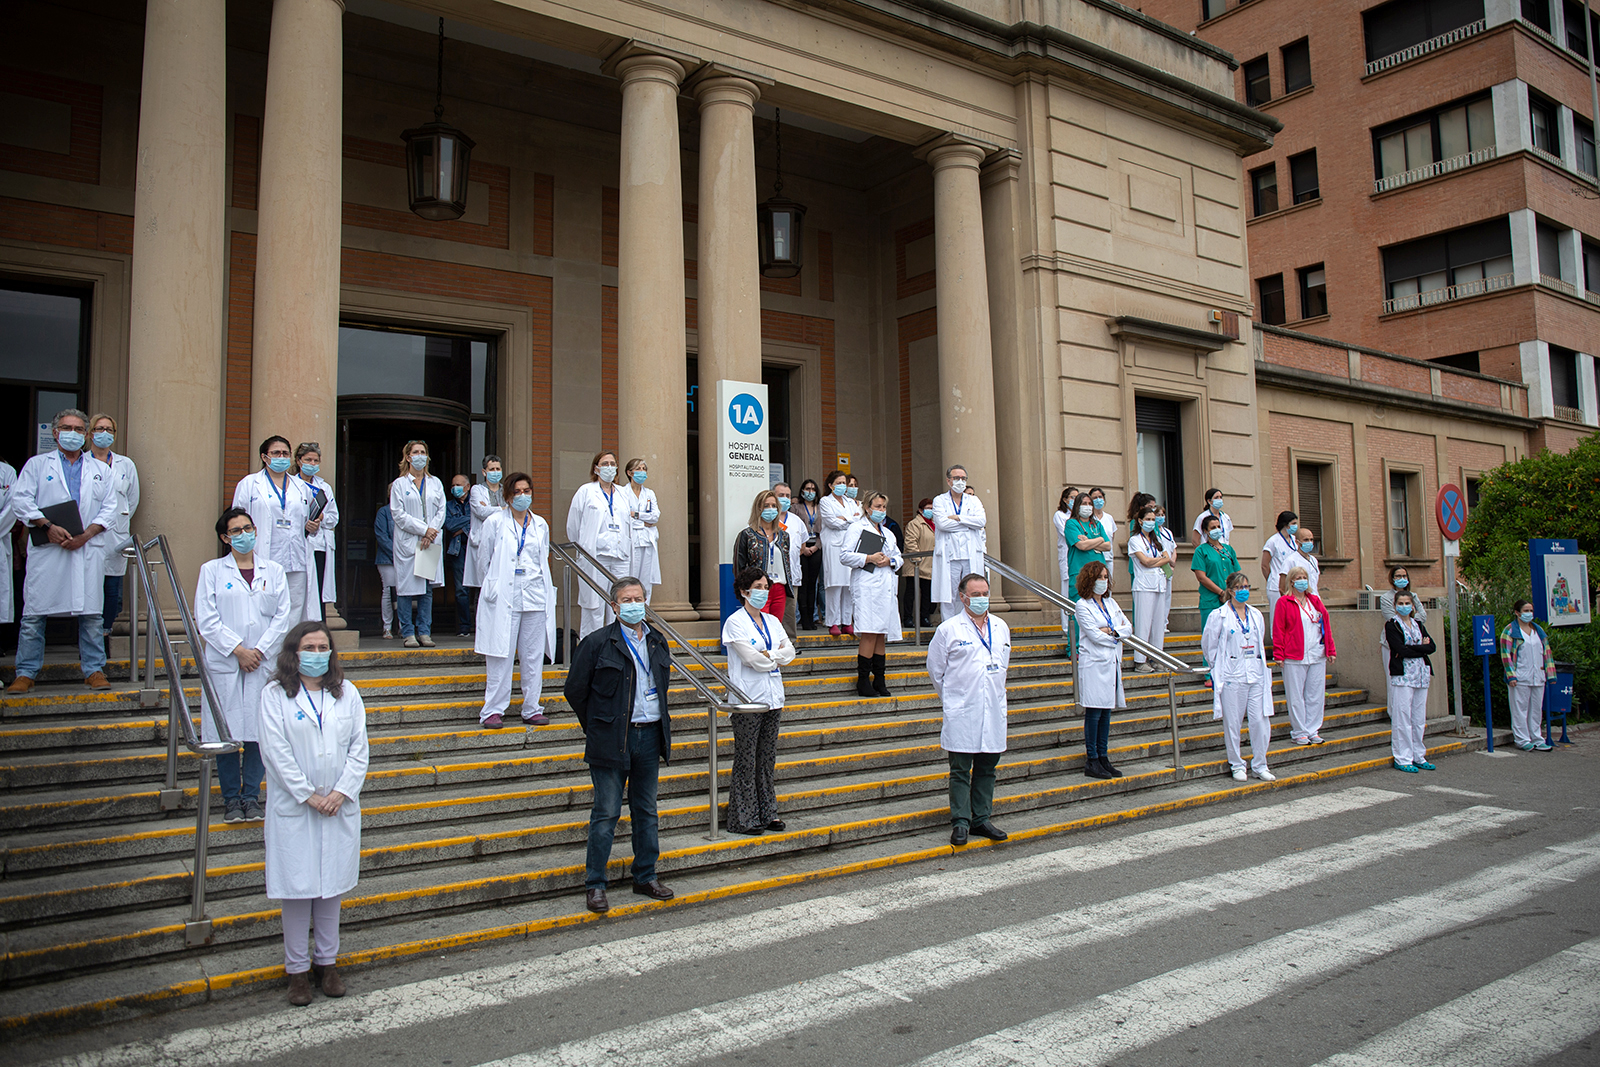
676	611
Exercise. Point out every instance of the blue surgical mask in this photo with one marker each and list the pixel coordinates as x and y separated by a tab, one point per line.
927	513
808	495
852	491
878	516
277	464
314	664
1160	521
632	612
522	501
493	477
243	543
70	440
978	604
1294	528
1099	503
310	469
640	476
104	439
1148	525
756	598
1308	547
1100	586
783	503
840	489
1241	595
419	463
1216	502
458	491
1215	533
1302	584
768	514
1527	616
1401	583
1402	609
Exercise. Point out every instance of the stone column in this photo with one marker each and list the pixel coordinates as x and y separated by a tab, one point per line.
295	344
174	426
729	283
651	382
966	362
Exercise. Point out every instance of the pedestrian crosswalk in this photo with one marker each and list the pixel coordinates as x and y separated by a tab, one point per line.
1520	1018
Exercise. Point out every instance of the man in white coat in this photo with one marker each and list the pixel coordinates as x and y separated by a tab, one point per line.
958	539
66	574
967	662
516	605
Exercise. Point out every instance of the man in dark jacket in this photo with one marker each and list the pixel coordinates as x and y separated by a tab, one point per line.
618	687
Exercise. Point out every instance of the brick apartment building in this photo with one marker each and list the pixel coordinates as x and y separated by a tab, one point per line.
1433	191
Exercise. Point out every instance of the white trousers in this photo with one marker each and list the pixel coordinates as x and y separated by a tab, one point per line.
1239	701
637	559
1408	717
527	641
386	598
1150	612
838	608
592	619
1272	601
1305	688
299	916
950	603
1527	713
297	597
1069	591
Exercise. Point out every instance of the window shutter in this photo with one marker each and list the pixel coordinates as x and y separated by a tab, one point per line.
1308	477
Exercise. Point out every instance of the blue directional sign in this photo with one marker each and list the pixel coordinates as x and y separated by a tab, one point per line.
1483	635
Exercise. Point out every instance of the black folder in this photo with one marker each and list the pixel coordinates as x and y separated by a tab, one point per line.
319	504
870	543
64	514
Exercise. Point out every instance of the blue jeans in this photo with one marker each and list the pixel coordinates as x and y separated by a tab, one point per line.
423	606
639	778
236	787
113	602
30	645
1096	732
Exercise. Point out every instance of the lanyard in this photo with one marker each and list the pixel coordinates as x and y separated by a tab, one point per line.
523	536
765	633
640	660
1314	614
611	502
1293	548
985	635
957	505
315	710
1102	606
1244	620
283	494
1154	550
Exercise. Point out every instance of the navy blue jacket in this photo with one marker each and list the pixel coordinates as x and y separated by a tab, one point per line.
383	535
600	688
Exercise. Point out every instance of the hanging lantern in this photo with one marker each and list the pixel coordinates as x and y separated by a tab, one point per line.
779	224
437	159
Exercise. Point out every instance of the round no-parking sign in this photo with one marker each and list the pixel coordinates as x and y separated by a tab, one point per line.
1450	507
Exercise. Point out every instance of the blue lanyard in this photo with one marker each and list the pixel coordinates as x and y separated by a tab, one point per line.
984	636
314	709
1293	548
957	505
523	536
765	633
283	494
611	502
640	660
1244	624
1101	605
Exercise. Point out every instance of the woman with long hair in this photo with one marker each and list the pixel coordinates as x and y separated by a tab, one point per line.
417	507
1235	644
874	592
764	545
758	649
598	520
810	554
1102	627
1529	664
837	512
1406	639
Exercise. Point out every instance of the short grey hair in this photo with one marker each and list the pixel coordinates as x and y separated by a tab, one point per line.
55	424
623	583
948	471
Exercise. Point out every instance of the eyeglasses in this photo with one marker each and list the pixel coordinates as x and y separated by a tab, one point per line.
235	530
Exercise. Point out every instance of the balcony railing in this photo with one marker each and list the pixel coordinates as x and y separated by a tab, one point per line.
1548	156
1558	284
1444	40
1444	296
1433	170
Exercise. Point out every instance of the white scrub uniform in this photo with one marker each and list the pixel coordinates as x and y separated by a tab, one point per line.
8	519
482	502
229	613
125	483
414	514
1242	680
958	540
875	594
1283	552
752	666
312	745
967	663
1152	590
1063	552
836	515
1313	571
322	541
644	512
599	524
1099	684
58	581
1305	680
1108	524
1527	696
1408	700
516	610
280	521
1226	520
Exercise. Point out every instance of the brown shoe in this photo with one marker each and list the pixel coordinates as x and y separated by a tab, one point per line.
654	890
300	989
20	686
332	981
595	901
97	680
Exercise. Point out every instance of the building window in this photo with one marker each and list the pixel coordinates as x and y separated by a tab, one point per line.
1577	37
1160	450
1471	488
1402	492
1264	188
1537	12
1303	176
1564	378
1270	300
1584	131
1423	140
1396	26
1210	9
1257	82
1308	478
1313	291
1460	361
1448	266
1548	238
1546	134
1296	65
1591	266
44	357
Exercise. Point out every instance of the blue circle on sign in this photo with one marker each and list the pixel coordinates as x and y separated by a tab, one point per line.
745	413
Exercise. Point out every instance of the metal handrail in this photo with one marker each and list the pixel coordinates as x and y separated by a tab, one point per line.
197	930
570	552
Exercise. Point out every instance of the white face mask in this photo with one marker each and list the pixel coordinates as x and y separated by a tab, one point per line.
1084	511
958	486
608	474
1100	586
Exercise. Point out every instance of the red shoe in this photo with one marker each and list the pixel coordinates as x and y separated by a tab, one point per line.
492	722
851	630
834	630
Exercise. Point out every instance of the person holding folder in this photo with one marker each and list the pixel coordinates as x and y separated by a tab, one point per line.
416	504
66	497
874	559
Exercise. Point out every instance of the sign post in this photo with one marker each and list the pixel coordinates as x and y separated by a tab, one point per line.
1483	645
1450	508
742	472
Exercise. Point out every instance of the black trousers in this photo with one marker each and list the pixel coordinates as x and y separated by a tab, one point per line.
810	580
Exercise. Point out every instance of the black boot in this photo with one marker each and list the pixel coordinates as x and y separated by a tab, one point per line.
1105	765
1093	768
863	676
879	665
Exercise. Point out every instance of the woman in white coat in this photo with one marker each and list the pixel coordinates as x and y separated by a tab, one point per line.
598	521
280	506
483	500
125	483
967	662
1235	645
758	649
241	608
1102	627
307	462
644	512
416	505
516	609
8	519
874	594
836	512
1062	516
314	739
1154	555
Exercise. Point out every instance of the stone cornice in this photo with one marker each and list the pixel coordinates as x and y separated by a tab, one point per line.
1303	381
1167	333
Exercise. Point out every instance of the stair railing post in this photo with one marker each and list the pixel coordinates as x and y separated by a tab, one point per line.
133	615
566	614
148	693
1172	703
711	771
916	600
197	931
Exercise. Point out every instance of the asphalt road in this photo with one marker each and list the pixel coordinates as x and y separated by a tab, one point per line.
1450	917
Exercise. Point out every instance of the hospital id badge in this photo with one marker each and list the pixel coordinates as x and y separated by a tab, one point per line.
993	667
520	572
1248	649
283	524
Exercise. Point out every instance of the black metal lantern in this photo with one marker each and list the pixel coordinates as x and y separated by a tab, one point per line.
779	223
437	160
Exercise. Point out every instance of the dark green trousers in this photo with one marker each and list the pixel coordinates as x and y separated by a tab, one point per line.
971	786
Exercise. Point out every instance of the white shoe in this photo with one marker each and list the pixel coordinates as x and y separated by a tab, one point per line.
410	642
1266	775
1302	740
1239	775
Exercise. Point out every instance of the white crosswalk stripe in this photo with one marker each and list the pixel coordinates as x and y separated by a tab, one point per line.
736	1025
1137	1016
1515	1022
382	1011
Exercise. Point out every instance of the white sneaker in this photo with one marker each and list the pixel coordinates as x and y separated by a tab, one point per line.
1302	740
1239	775
1266	775
410	642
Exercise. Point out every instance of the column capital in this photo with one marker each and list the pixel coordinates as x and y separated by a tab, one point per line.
1004	166
716	84
954	150
639	61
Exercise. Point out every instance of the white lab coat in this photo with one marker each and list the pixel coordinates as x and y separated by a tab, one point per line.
483	501
1060	520
309	854
287	546
1231	651
644	512
413	514
798	533
835	517
498	604
8	519
125	483
875	594
971	682
753	667
1109	525
600	527
323	541
956	537
60	582
1226	520
1313	571
1099	684
228	614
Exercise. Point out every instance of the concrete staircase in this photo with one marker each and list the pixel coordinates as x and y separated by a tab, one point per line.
471	833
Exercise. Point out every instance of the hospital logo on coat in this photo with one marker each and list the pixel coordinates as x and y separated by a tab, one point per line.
745	414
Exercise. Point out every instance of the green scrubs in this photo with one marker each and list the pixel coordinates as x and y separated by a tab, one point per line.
1218	563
